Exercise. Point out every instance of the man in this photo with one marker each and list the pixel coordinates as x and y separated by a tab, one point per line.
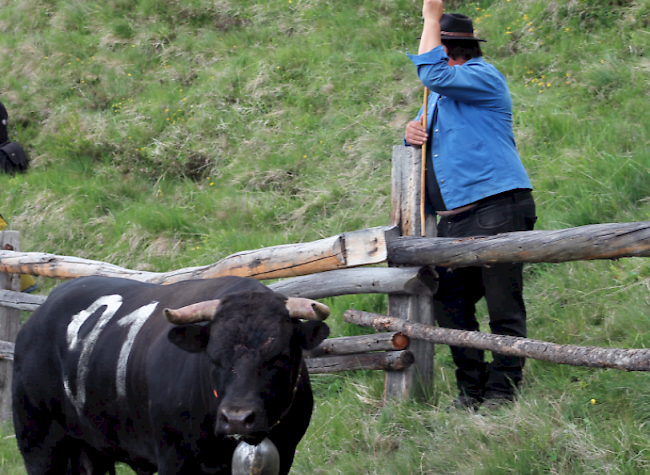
477	185
12	155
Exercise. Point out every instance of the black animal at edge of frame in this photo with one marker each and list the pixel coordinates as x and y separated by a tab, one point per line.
166	379
13	158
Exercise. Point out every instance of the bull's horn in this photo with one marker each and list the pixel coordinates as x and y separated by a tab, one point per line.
198	312
307	309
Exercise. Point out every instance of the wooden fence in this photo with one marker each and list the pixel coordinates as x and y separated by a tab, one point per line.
355	263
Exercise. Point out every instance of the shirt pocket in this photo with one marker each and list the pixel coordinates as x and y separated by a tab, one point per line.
450	117
472	163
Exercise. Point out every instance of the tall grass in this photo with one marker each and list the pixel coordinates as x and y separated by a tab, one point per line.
169	133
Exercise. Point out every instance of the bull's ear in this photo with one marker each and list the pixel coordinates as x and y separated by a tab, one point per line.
311	333
190	338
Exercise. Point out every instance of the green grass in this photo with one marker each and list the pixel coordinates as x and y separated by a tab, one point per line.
167	133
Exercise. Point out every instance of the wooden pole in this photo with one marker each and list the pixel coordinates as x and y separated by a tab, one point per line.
353	249
7	350
405	192
374	246
406	217
21	300
9	324
589	356
366	280
352	345
391	343
595	241
385	280
423	165
384	361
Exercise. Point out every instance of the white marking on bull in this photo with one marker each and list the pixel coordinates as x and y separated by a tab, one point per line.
136	320
112	304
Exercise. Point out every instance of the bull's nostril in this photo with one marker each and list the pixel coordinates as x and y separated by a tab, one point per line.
250	419
224	420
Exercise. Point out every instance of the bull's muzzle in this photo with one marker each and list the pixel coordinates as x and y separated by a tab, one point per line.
244	421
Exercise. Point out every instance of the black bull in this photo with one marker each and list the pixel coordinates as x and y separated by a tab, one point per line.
100	376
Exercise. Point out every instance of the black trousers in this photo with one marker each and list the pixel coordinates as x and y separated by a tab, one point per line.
501	285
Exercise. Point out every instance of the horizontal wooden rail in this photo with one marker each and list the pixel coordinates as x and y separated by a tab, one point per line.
367	280
350	345
6	350
345	250
346	353
404	280
384	361
21	300
366	247
593	357
596	241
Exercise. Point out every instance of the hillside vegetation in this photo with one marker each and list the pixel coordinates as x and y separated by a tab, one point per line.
172	133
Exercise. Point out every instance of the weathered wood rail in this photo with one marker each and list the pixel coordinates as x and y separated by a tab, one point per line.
590	356
20	300
345	250
6	350
384	280
350	345
365	280
385	361
590	242
595	241
381	351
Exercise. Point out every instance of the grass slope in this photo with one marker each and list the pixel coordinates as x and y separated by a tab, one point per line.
168	133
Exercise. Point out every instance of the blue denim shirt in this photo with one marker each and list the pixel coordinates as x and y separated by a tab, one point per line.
470	133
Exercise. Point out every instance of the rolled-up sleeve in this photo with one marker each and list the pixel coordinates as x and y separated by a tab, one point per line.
472	82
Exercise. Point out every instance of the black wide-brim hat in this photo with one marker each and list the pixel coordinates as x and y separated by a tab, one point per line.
456	26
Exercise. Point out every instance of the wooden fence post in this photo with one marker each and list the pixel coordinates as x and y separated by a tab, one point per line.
416	381
9	324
